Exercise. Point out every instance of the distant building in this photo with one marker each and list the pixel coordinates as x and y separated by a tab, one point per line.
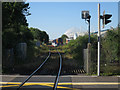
67	40
103	32
73	33
75	36
71	38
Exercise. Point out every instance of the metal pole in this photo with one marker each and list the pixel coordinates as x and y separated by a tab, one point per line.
89	31
98	72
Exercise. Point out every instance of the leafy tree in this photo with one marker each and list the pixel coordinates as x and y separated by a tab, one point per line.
119	44
13	14
39	35
25	35
64	38
45	37
36	33
14	21
110	45
9	38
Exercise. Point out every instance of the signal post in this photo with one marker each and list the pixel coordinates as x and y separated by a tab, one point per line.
105	20
87	16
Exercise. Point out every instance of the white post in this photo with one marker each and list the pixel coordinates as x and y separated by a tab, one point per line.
98	71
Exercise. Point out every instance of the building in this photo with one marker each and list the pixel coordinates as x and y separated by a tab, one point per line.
68	40
75	36
103	32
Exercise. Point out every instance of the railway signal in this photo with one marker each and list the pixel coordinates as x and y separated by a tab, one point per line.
105	18
86	16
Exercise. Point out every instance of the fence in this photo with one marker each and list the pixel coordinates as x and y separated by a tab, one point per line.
10	56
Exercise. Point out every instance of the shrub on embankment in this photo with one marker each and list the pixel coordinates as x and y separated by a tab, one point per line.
110	52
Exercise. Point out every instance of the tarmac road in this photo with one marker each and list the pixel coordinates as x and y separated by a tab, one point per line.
66	82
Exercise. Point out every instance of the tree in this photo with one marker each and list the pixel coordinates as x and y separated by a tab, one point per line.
39	35
64	38
45	37
25	35
110	45
9	38
14	23
13	14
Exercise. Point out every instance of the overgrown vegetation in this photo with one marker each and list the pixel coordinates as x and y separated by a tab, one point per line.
75	47
64	37
110	54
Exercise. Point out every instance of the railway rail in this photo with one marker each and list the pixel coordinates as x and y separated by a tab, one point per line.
33	73
57	78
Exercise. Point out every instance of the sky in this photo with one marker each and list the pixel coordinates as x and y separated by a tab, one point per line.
57	17
119	13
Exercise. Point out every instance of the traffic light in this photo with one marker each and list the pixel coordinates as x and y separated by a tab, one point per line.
105	18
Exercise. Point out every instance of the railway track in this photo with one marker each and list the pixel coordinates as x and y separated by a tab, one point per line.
43	64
